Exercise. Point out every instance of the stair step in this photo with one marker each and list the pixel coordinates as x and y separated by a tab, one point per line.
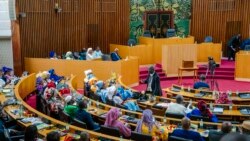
219	69
218	73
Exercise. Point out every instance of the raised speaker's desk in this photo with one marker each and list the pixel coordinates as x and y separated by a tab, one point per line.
242	66
128	69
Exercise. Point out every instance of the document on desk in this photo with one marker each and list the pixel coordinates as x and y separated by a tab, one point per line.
218	110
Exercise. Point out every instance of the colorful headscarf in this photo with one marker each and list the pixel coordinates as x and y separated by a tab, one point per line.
112	117
223	99
147	119
202	106
51	54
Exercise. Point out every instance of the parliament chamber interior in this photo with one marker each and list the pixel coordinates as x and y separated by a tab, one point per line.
122	70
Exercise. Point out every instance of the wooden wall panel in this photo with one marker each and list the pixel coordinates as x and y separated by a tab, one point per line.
81	23
211	17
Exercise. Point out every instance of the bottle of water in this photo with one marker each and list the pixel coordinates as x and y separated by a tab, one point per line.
211	106
182	87
121	139
189	88
237	93
164	120
201	124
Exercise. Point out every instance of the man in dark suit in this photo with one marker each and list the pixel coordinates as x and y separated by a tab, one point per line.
85	117
153	82
233	46
115	56
215	135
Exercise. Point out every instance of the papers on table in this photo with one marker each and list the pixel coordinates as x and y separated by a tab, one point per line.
164	105
218	110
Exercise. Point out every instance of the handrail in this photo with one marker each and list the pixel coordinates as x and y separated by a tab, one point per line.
19	88
72	84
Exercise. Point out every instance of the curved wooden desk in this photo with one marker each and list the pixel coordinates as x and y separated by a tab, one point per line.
23	89
129	69
208	98
73	83
242	66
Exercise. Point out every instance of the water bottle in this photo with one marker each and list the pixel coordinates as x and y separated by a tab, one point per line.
201	124
182	87
231	107
164	120
121	139
237	93
211	106
189	88
234	129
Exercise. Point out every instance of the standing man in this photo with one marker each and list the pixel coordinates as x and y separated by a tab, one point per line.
153	82
233	46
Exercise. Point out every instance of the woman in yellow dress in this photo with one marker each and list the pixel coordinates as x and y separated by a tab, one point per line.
148	126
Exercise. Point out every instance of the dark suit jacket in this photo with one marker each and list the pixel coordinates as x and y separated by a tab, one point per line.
85	117
155	85
215	135
115	56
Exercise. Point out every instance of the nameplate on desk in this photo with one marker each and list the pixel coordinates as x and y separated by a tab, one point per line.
245	111
244	95
199	95
218	110
175	90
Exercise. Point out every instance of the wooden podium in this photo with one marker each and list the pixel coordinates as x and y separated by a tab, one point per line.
173	55
242	66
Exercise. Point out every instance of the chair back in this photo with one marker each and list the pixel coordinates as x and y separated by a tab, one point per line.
79	123
175	138
64	116
110	131
120	106
174	115
109	102
140	137
187	64
194	117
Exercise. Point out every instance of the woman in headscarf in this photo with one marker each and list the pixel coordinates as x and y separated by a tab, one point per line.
223	99
147	124
112	121
89	54
203	110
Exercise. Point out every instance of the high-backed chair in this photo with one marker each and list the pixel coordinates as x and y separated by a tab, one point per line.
79	123
64	116
110	131
175	138
140	137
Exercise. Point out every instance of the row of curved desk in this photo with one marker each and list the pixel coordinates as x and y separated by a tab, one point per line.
149	105
22	90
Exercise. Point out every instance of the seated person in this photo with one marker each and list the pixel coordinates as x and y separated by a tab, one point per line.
52	55
88	75
69	108
89	54
246	127
186	133
147	125
215	135
84	136
53	136
235	137
223	99
53	76
128	104
7	74
203	110
31	134
201	83
178	107
82	54
69	56
84	116
97	53
112	121
115	56
2	79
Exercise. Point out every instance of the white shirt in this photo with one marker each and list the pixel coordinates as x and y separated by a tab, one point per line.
176	108
89	57
111	91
